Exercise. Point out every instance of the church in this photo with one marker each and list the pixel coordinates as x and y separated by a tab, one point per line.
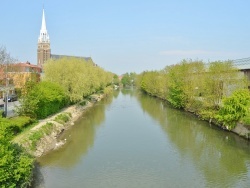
44	50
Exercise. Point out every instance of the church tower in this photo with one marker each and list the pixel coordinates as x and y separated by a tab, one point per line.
43	49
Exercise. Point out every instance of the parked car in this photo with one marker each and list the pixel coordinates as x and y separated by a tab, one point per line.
11	97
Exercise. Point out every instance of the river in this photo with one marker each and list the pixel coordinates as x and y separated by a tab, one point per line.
131	140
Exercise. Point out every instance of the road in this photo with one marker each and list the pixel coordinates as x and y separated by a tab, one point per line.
10	108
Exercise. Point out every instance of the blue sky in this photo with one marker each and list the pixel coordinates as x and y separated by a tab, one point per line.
129	36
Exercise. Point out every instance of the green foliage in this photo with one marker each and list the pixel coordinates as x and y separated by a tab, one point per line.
234	108
108	90
220	81
43	99
128	79
154	83
83	103
246	120
116	80
207	114
195	86
77	77
16	124
1	113
35	136
62	118
185	82
15	165
176	97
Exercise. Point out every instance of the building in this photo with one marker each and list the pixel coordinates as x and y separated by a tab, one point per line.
55	56
44	51
87	59
14	76
43	47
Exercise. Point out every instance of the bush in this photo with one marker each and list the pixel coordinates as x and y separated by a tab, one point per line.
234	108
37	135
83	103
63	118
42	100
16	124
246	120
15	165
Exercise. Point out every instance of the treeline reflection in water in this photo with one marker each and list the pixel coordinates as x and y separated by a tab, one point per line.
222	157
196	154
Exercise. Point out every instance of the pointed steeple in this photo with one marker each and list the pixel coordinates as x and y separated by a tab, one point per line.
44	36
43	23
43	46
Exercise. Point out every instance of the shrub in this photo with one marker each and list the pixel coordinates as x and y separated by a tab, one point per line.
83	103
16	124
37	135
234	108
42	100
63	118
15	165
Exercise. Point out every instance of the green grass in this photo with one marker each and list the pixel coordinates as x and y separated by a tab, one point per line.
246	121
63	117
16	125
83	103
37	135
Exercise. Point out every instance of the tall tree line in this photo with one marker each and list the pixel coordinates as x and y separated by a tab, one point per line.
196	86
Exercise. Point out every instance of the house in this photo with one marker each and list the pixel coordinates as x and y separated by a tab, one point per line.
13	77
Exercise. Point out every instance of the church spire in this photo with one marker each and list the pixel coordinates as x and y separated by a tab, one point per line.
44	36
43	47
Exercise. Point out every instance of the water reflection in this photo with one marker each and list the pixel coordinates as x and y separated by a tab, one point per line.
222	157
79	139
139	141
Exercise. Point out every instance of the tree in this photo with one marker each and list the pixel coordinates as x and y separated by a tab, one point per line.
222	79
77	77
128	79
194	85
5	59
116	80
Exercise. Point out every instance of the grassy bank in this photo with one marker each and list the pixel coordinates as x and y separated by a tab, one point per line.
22	139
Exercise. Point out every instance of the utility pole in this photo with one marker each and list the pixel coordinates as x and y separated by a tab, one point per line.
6	91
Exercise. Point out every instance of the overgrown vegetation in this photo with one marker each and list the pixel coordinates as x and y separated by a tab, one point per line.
15	164
63	118
78	78
128	79
204	89
42	99
38	134
15	125
234	108
108	90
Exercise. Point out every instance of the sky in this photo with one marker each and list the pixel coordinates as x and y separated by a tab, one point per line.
129	35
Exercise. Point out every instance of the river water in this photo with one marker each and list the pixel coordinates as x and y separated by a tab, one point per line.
131	140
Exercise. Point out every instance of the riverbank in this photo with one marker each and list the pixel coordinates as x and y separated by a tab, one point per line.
45	136
240	129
